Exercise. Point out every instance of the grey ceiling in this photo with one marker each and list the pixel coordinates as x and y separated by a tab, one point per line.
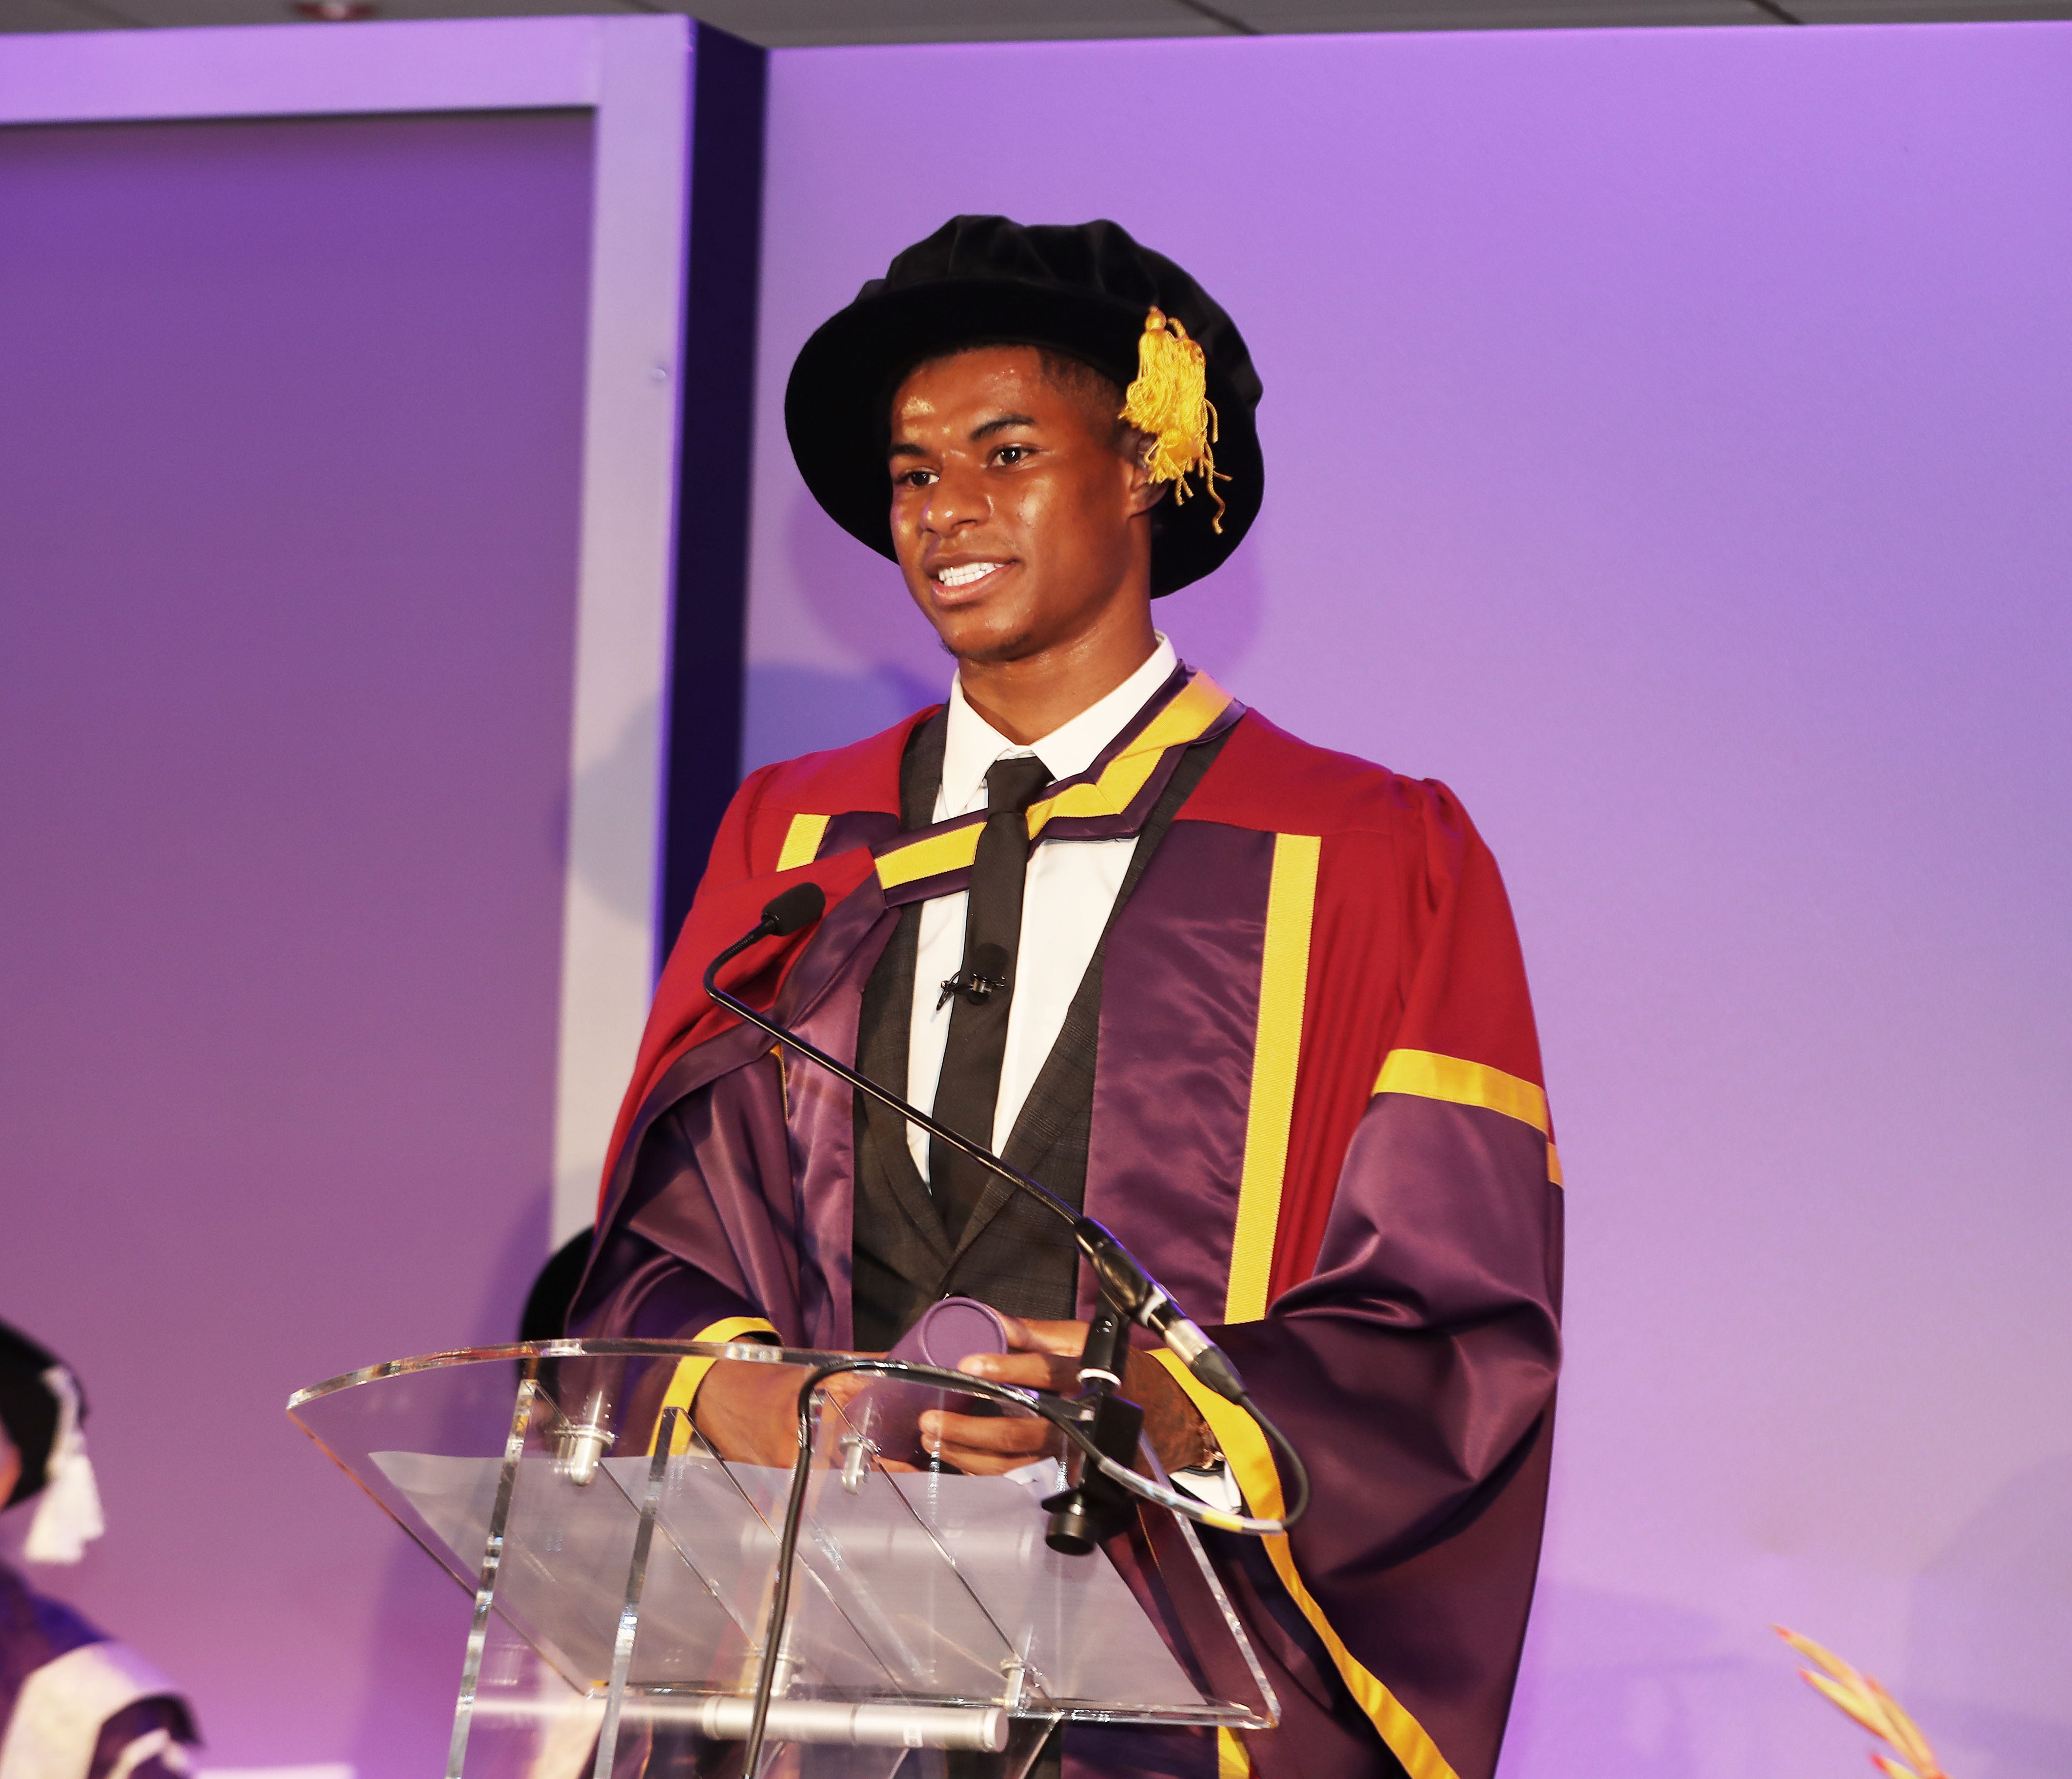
790	23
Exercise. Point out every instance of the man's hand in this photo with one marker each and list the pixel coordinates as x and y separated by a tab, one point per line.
748	1411
1044	1356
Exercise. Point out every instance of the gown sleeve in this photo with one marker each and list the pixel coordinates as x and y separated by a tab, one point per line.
682	1257
1413	1361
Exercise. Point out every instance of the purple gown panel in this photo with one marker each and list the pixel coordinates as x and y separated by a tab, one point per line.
1179	1021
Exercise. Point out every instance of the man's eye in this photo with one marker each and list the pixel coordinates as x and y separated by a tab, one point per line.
1010	453
914	478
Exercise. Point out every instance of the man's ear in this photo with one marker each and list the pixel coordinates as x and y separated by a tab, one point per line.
1144	491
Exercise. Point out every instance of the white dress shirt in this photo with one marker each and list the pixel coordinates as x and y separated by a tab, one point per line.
1067	896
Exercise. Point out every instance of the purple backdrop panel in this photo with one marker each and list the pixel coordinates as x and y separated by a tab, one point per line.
288	507
1667	437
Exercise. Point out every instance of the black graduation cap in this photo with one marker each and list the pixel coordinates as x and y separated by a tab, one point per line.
1090	291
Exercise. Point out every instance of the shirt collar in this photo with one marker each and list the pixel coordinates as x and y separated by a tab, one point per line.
972	744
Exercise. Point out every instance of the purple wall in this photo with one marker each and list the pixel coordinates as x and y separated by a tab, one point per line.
1669	437
288	488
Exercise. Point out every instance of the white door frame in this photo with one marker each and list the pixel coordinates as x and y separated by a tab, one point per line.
634	76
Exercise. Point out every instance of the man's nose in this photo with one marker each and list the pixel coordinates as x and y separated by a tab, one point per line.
957	498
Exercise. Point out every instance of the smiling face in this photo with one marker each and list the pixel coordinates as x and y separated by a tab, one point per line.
1020	510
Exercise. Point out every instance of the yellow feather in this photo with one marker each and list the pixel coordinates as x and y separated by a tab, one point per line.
1905	1734
1848	1699
1812	1651
1863	1699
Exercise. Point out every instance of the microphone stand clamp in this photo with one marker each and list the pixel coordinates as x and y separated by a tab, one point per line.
1093	1506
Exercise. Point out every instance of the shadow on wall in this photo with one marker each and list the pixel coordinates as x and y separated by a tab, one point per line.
1618	1687
420	1622
859	602
1989	1637
1621	1687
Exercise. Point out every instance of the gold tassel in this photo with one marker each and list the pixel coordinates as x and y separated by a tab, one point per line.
1169	400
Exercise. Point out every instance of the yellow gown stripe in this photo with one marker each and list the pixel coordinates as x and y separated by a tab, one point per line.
691	1373
1193	707
802	841
956	850
1251	1464
1283	979
1435	1077
1232	1762
1431	1076
1109	795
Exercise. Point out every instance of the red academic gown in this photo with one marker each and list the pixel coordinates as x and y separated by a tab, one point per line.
1318	1117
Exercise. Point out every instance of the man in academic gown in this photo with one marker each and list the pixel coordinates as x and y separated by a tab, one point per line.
74	1704
1256	1007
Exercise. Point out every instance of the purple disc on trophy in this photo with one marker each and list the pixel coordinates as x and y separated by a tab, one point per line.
888	1412
951	1331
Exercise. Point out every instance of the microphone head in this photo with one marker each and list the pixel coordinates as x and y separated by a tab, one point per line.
800	906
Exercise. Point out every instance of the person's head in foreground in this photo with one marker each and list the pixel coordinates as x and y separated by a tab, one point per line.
43	1451
74	1704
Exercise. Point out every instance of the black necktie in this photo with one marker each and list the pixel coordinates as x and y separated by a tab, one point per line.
968	1090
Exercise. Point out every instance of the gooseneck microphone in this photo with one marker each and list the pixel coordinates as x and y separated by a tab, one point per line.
1136	1295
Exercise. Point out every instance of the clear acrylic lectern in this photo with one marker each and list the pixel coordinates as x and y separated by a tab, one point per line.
623	1575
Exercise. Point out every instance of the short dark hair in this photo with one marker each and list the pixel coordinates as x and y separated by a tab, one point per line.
28	1408
1068	370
